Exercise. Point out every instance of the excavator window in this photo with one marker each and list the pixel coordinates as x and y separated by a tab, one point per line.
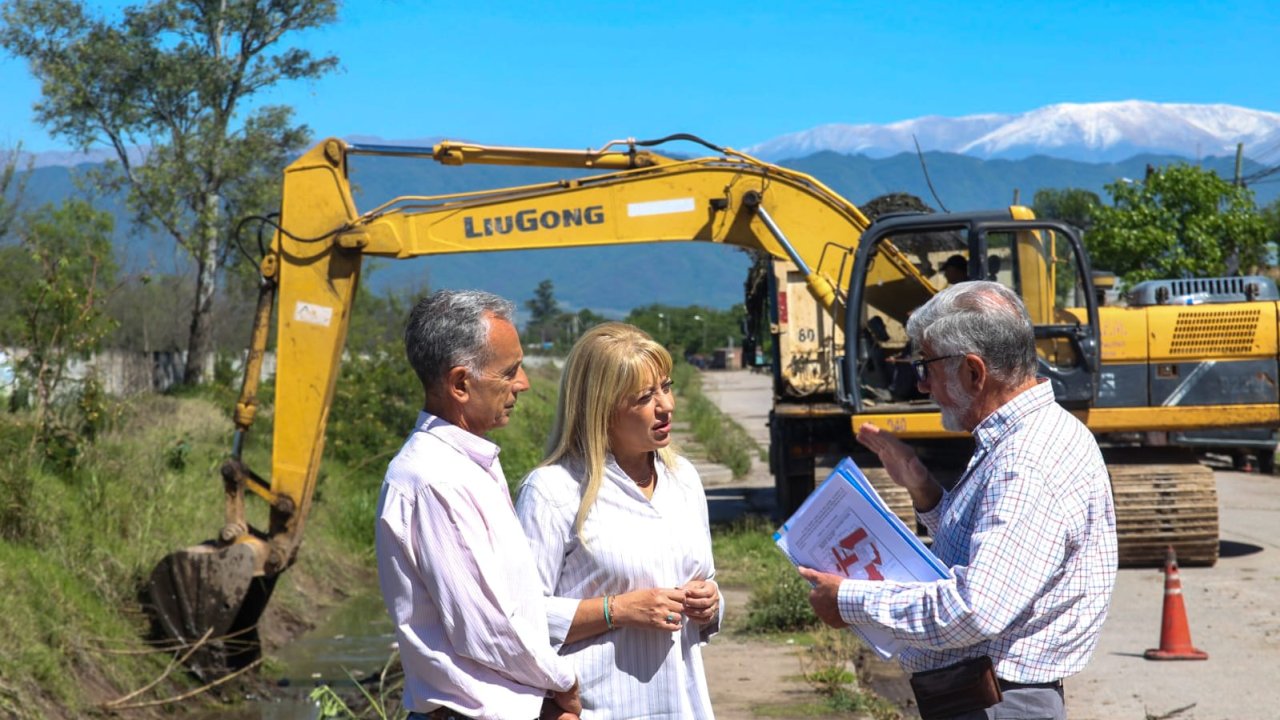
905	270
1044	270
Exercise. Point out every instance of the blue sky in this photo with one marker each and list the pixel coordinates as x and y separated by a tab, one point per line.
576	74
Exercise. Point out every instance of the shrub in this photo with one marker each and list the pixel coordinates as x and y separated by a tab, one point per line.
177	455
376	400
779	602
724	440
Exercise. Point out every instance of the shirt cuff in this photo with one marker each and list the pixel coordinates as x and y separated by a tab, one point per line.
707	631
568	675
931	518
560	612
849	600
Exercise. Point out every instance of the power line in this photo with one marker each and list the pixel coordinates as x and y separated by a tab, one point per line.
1268	154
1259	176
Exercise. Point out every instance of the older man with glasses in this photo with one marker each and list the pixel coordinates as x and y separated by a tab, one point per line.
1028	531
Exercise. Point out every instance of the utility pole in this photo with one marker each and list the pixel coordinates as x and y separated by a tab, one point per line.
1239	164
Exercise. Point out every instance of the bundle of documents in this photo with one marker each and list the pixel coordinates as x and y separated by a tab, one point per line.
845	528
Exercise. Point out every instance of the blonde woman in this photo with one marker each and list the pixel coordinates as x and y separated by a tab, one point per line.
618	526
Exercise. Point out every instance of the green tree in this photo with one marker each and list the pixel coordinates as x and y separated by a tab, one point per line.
377	389
1181	221
165	87
1071	205
16	268
691	330
586	319
62	300
13	260
1271	221
149	310
545	316
11	187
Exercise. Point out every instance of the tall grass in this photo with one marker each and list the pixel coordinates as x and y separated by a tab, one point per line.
829	666
80	537
81	530
724	441
747	556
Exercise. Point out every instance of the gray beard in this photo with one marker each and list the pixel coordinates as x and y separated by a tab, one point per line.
953	416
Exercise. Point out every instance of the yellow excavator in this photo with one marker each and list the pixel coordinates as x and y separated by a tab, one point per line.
866	280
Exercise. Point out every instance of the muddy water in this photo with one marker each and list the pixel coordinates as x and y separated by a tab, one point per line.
355	638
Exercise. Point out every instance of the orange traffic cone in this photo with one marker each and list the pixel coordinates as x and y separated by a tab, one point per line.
1175	637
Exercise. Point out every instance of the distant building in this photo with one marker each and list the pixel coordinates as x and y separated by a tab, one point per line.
729	358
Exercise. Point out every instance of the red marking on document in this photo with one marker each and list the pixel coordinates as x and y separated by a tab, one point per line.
851	555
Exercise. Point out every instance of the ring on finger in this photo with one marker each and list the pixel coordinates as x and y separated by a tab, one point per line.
671	618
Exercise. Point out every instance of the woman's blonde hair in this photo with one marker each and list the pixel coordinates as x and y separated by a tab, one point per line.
609	362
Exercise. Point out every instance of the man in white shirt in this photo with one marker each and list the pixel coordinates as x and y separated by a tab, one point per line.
454	566
1028	531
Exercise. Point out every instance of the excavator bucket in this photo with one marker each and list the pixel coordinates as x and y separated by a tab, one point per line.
205	600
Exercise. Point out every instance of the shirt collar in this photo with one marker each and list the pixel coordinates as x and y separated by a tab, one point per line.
1007	416
613	470
479	449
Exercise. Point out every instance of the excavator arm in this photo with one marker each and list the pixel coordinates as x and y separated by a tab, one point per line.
217	590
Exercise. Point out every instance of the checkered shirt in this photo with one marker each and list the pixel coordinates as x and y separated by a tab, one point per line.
1029	535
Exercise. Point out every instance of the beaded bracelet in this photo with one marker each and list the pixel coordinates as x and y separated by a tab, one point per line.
607	620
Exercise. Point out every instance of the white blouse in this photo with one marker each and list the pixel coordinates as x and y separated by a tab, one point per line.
631	543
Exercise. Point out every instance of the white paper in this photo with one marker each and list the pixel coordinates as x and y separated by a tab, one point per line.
844	527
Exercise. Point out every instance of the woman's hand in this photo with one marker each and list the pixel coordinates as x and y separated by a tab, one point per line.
653	608
701	601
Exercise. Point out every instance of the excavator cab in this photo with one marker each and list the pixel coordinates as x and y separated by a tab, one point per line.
1042	261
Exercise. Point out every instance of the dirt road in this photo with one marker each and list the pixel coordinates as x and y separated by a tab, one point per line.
747	676
1233	613
751	679
1233	610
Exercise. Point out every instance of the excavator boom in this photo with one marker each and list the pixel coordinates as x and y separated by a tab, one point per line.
861	277
215	592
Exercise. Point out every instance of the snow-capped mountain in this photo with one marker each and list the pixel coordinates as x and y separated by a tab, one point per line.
1093	132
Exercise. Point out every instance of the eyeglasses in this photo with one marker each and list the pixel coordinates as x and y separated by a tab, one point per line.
922	365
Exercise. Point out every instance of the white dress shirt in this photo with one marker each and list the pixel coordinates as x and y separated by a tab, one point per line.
459	581
1029	534
632	543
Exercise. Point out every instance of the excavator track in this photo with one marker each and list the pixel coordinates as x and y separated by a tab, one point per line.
893	494
1163	498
